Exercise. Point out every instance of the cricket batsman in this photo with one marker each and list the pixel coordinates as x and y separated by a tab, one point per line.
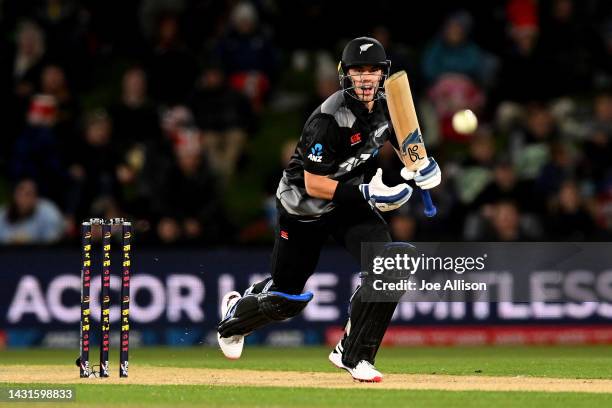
324	193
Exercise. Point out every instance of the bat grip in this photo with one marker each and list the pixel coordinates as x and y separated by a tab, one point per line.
430	208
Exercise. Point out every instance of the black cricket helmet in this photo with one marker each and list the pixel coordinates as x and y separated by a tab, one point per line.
359	52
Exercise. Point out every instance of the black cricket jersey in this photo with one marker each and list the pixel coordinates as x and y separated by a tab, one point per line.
339	140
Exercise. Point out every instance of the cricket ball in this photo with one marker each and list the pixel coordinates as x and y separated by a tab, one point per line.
465	122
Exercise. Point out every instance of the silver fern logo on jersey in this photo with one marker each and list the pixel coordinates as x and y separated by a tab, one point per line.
378	132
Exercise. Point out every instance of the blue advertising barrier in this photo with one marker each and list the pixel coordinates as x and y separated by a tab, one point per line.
174	295
175	299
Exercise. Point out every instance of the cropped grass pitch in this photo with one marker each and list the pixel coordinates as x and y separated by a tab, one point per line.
515	364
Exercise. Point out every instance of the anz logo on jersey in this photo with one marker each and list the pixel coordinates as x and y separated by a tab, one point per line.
316	153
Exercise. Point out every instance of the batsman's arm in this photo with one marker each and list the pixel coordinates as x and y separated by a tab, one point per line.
319	186
379	195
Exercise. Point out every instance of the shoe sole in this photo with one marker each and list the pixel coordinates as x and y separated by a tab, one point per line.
373	380
226	356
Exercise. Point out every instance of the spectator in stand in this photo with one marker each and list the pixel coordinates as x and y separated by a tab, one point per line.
28	60
326	83
135	117
559	168
225	118
143	151
603	112
568	219
272	179
603	75
453	52
530	142
524	74
451	93
66	24
188	200
28	218
248	55
597	150
401	57
20	68
36	153
502	222
93	167
262	227
177	121
506	186
172	68
476	171
454	67
505	221
569	47
53	82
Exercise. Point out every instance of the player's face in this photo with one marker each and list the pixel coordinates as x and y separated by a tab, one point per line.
365	80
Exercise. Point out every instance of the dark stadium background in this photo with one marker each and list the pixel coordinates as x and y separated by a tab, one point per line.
179	114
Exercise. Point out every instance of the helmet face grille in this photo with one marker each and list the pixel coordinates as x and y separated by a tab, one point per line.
348	86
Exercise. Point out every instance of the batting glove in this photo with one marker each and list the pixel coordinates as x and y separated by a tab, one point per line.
383	197
428	176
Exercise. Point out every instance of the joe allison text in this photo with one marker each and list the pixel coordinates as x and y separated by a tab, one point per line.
449	285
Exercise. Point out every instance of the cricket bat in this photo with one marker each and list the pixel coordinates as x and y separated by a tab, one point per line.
406	125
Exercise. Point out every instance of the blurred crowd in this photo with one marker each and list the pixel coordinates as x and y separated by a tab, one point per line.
148	109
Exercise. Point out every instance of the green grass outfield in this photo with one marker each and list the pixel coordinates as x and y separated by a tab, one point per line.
571	362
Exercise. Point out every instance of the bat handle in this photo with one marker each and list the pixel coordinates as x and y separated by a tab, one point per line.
430	208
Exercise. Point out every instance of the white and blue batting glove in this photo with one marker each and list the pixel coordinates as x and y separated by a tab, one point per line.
383	197
428	176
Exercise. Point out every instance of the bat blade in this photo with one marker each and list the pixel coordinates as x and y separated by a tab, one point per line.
406	125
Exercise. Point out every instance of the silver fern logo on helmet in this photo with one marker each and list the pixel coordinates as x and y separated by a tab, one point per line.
364	47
